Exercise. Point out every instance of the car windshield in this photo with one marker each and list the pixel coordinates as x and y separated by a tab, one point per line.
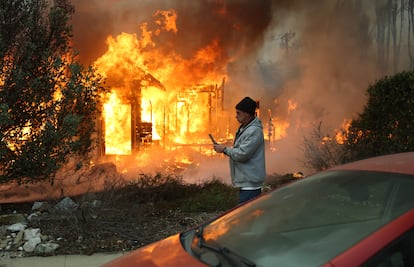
310	221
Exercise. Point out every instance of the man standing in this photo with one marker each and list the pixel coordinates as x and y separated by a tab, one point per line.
247	156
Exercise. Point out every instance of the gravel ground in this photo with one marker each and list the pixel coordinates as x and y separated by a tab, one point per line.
122	227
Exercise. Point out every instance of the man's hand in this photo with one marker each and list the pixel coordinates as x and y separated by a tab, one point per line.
219	148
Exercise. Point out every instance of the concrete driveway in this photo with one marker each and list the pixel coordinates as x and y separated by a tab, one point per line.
94	260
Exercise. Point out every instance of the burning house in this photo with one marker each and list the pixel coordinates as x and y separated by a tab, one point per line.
132	121
164	96
158	97
167	88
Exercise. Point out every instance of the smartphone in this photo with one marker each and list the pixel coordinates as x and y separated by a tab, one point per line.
212	139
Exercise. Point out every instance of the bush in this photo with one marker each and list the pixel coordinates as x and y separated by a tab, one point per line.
386	124
321	149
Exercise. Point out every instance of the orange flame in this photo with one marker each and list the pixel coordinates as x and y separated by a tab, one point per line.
174	94
281	129
291	105
340	136
117	126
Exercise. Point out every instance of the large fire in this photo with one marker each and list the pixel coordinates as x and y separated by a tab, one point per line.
159	97
177	98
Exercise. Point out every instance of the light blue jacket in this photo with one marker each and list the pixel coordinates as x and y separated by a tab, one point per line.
247	156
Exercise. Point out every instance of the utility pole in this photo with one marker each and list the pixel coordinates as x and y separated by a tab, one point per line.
285	39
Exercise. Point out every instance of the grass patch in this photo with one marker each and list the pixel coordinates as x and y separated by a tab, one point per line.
171	192
209	197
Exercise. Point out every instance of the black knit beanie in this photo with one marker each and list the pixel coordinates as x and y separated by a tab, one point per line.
247	105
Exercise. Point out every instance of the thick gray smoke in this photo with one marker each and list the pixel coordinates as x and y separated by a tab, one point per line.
306	61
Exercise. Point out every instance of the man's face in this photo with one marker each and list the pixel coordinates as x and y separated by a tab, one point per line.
242	117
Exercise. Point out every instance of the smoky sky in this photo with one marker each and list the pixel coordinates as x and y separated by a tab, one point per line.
234	23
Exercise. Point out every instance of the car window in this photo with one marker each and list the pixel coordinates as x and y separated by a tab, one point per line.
399	253
404	198
311	221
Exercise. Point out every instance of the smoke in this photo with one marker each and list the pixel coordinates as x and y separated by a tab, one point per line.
238	25
327	78
317	55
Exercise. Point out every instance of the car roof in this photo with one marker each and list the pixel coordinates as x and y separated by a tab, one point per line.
396	163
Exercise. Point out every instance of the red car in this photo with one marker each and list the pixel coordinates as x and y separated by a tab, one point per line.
357	214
